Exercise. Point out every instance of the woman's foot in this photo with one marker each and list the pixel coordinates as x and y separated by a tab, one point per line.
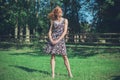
53	76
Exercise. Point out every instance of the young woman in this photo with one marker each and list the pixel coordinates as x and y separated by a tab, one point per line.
56	44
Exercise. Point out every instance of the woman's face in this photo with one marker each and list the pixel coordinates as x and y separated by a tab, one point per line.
60	14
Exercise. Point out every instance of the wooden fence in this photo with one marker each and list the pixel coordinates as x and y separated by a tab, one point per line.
81	38
90	38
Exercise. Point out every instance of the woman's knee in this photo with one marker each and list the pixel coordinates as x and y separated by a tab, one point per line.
65	57
52	56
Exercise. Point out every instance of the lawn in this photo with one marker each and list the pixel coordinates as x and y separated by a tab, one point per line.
30	64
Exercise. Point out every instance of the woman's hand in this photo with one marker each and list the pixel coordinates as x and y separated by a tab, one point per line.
55	42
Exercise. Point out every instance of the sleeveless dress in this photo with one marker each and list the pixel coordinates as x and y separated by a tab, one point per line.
60	47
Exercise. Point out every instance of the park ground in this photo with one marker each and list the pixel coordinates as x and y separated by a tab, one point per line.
86	64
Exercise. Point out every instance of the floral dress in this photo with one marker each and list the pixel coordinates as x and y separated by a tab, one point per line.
60	47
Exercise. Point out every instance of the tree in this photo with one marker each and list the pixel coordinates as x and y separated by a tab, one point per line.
6	22
108	15
71	12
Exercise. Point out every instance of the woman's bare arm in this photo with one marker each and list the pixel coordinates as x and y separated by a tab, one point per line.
50	32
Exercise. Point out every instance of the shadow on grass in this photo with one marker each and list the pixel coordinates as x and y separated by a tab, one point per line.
115	77
73	52
29	69
34	70
82	52
88	52
34	53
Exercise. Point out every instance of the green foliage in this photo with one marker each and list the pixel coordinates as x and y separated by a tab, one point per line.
85	27
111	2
71	9
22	12
108	16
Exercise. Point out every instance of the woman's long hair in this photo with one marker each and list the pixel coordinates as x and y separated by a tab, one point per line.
55	14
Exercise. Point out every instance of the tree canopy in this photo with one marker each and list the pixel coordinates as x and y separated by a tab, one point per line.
100	15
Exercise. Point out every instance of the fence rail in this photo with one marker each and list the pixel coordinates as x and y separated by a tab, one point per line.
81	38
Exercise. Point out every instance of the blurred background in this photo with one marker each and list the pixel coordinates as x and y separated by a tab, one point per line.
26	19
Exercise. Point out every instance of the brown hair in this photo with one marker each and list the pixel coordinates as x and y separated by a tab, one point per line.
55	13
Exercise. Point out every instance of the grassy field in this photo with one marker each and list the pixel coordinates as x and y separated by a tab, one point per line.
29	64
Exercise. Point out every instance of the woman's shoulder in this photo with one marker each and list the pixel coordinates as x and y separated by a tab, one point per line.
65	19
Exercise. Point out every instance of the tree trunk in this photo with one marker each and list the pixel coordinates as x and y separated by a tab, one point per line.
16	31
21	34
27	34
34	32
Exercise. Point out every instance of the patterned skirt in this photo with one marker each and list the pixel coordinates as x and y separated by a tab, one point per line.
59	48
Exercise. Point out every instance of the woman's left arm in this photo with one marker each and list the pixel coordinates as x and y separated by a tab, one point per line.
64	32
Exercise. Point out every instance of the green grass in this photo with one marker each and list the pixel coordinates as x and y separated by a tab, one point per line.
27	64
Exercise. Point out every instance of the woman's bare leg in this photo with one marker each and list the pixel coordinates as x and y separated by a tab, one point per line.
53	65
66	62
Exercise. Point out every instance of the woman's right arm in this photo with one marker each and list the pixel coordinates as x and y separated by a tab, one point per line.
50	32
